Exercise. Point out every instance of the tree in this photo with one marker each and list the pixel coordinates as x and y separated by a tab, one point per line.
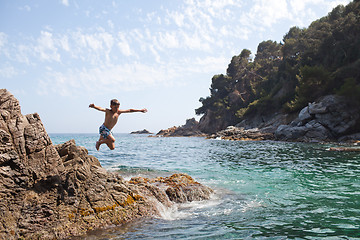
238	62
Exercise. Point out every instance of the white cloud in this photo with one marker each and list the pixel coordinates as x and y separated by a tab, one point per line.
22	54
123	45
266	13
65	2
209	64
195	34
25	8
93	41
46	47
3	40
107	78
8	71
110	24
155	53
168	40
64	43
332	4
194	41
178	18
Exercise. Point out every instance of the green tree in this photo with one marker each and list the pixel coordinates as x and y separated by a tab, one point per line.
313	83
238	62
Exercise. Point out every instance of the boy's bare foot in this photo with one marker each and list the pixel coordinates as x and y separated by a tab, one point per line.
97	145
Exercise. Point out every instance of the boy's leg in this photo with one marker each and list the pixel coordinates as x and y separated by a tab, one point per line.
99	142
110	142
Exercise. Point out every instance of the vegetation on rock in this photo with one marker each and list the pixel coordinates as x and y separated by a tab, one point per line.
284	77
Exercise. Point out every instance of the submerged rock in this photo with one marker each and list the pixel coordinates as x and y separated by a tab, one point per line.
54	192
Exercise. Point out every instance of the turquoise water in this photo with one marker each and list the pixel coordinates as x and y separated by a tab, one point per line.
263	190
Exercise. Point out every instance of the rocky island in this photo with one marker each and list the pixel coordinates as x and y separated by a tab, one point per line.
54	192
144	131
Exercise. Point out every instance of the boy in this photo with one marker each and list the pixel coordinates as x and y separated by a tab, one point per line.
111	117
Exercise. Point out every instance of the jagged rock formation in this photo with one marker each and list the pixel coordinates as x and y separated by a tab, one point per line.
191	128
329	119
53	192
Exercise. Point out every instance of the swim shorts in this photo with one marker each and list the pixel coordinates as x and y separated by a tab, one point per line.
104	131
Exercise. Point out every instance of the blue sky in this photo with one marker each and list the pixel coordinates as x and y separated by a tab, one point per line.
57	57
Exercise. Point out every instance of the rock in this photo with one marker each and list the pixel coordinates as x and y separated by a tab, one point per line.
355	137
329	119
55	192
141	132
317	108
209	124
191	128
266	124
305	114
287	132
344	149
235	133
341	115
316	132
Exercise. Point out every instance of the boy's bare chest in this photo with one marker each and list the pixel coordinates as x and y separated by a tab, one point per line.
112	116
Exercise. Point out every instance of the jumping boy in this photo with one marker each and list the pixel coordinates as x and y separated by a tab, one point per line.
111	117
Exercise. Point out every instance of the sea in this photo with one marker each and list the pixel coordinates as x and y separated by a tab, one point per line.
262	189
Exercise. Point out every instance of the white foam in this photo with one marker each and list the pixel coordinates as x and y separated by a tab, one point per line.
170	213
251	205
185	210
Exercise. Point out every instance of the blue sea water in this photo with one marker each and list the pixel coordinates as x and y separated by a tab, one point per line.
263	190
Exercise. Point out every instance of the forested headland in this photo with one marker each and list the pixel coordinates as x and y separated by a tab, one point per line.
283	77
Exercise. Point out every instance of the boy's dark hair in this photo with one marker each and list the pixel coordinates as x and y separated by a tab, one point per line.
114	102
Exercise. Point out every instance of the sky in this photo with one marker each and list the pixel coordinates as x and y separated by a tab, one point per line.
58	56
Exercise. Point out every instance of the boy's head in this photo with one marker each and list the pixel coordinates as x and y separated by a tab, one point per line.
114	102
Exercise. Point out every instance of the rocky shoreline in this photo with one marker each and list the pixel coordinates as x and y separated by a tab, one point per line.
330	119
55	192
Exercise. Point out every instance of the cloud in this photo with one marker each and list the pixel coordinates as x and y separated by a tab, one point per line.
178	18
3	40
264	14
107	78
46	47
26	8
8	71
196	36
123	45
65	2
168	39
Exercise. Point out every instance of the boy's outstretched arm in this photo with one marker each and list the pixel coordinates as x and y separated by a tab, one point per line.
144	110
97	107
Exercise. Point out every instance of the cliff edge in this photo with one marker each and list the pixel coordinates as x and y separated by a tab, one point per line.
54	192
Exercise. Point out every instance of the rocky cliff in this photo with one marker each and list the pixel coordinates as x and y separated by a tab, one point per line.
53	192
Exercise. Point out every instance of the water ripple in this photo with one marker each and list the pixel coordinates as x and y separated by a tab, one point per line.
264	189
